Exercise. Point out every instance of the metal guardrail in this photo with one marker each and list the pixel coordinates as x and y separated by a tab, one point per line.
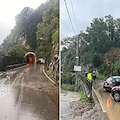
86	86
9	67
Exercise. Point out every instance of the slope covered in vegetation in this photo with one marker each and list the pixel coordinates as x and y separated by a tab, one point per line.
99	48
35	29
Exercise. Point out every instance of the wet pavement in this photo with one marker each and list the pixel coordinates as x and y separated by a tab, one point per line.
111	107
27	94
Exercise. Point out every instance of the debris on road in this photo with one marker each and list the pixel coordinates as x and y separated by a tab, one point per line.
73	109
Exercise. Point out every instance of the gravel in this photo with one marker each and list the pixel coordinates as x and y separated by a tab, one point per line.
73	109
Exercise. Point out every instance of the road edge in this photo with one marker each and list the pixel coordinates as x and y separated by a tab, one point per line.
100	101
48	76
104	115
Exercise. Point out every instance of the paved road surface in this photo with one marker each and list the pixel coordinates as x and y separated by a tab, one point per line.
110	106
26	94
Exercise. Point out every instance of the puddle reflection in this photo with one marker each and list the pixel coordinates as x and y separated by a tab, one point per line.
108	103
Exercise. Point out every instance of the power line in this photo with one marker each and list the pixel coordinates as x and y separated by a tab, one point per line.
77	50
66	55
74	15
69	16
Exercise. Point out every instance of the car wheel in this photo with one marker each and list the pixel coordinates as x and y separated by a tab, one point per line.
107	90
117	96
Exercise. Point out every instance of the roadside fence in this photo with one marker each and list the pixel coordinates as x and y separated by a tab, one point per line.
9	67
86	86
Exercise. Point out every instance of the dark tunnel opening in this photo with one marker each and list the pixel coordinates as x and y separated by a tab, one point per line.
30	59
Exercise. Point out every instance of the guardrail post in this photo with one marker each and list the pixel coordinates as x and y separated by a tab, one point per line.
88	85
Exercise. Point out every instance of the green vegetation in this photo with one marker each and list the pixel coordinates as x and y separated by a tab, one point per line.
47	32
49	74
31	26
68	78
83	97
67	87
101	76
99	48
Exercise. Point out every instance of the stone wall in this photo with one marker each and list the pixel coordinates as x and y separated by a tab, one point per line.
54	64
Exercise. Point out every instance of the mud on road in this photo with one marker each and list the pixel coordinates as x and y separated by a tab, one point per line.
28	94
73	109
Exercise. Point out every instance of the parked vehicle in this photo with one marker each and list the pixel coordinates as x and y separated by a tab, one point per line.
116	93
111	82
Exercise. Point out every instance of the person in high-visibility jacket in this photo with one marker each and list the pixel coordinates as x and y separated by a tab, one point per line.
89	76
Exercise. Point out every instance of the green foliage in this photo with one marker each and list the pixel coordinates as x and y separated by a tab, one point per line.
116	68
101	76
31	36
32	25
49	74
47	31
112	57
68	60
83	96
55	35
97	60
68	78
99	47
16	54
67	87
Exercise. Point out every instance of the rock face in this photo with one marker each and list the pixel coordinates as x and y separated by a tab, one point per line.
54	64
23	40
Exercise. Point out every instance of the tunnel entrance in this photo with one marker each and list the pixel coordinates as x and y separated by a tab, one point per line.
30	57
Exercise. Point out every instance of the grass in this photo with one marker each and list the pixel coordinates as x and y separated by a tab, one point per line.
67	87
49	74
83	96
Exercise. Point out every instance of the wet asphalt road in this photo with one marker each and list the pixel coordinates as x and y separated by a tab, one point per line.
112	107
26	94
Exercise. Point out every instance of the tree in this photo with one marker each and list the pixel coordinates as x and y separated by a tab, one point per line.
99	46
48	31
112	57
96	36
16	54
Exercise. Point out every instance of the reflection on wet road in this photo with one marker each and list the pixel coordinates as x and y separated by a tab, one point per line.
26	94
112	107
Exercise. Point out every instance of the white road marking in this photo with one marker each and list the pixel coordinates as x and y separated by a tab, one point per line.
100	100
48	76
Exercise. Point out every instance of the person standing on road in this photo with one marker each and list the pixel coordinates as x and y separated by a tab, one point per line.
89	76
94	75
86	74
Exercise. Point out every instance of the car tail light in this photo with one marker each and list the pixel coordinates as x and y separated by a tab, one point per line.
109	83
114	87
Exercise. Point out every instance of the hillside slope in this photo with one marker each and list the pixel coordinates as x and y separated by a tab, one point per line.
37	30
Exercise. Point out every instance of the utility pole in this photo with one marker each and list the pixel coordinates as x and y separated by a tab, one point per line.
77	62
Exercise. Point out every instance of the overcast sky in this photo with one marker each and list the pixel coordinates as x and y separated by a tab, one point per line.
9	9
85	11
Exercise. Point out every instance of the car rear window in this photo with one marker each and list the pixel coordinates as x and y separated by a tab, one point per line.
109	79
117	79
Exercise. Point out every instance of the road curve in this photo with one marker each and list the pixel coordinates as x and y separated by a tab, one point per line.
26	93
107	102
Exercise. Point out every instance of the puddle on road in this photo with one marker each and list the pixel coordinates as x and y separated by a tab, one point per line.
112	107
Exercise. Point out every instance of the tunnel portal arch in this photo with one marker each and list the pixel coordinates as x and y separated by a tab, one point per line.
30	57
